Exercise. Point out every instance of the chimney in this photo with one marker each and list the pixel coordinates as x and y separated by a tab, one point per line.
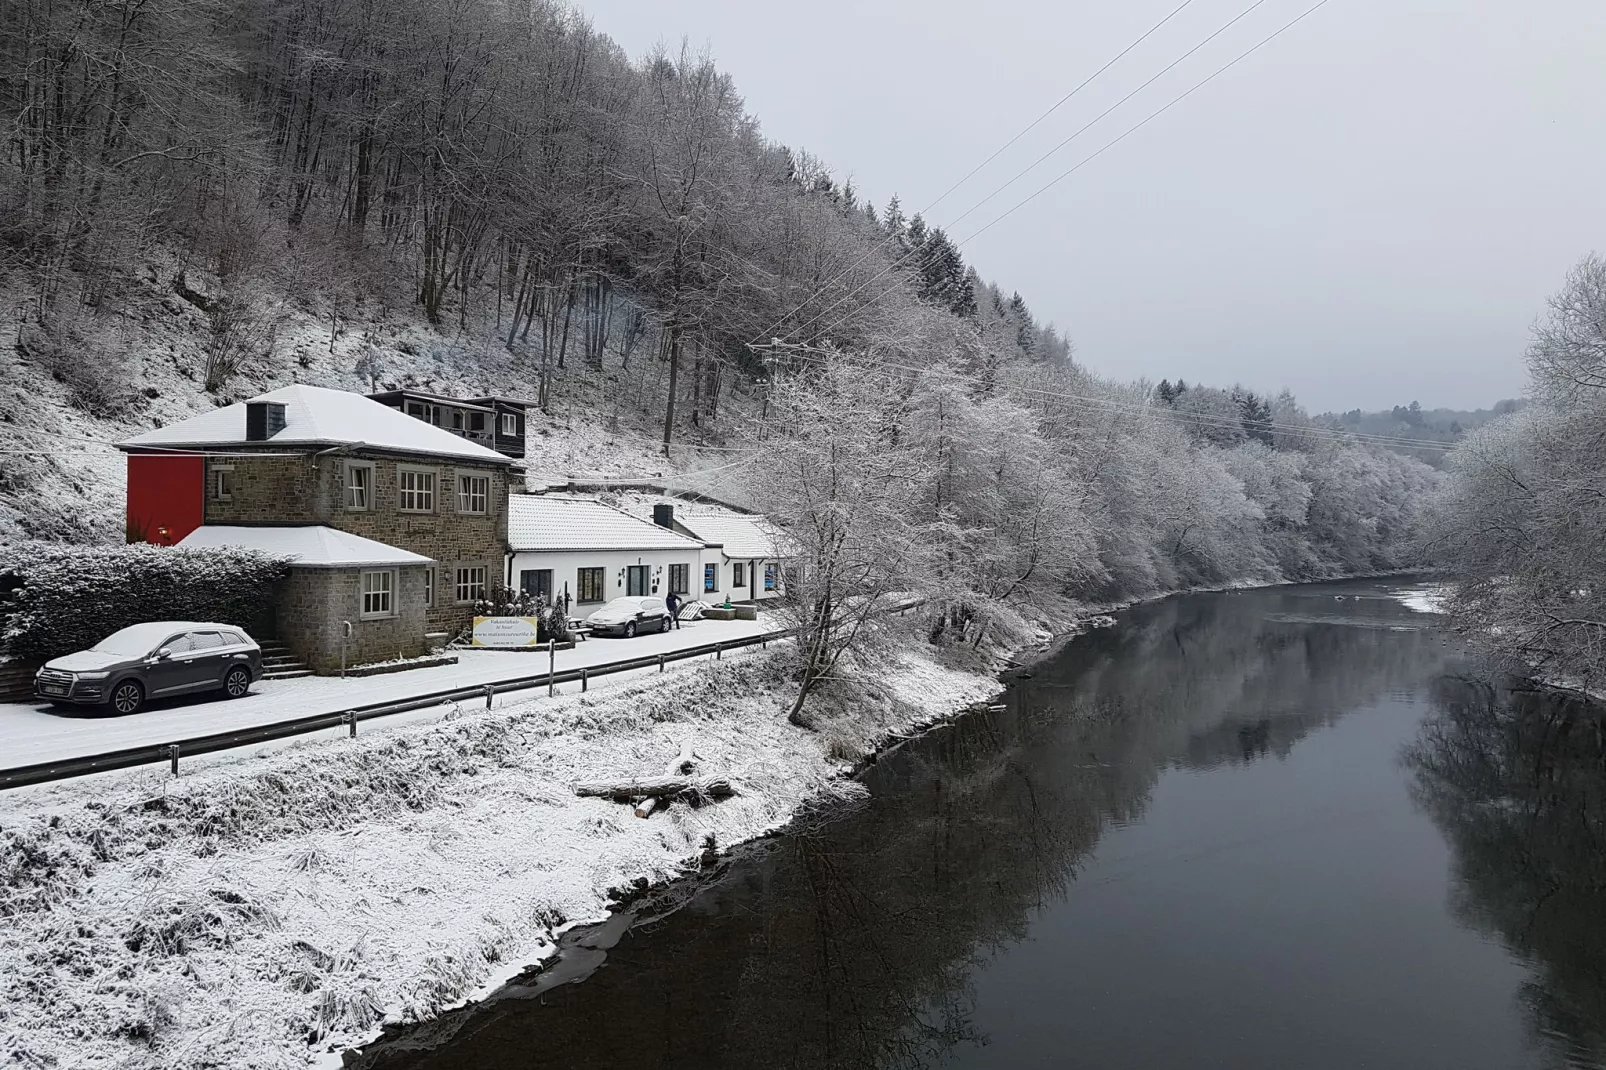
263	420
664	516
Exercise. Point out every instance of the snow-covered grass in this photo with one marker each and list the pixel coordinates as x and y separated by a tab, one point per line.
265	909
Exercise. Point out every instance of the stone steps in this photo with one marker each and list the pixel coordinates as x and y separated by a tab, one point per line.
286	673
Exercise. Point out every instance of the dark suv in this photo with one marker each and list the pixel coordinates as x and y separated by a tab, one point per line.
156	660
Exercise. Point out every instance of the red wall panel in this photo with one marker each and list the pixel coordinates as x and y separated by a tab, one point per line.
166	497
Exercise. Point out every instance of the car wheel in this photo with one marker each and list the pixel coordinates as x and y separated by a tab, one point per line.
128	697
237	682
630	630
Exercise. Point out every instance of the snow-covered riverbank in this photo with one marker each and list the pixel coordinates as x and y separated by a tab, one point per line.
227	917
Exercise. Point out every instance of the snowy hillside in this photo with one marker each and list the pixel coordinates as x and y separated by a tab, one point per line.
61	409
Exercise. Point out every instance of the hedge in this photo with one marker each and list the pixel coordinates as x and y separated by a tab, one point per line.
67	598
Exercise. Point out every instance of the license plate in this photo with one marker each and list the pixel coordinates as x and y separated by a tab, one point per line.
52	689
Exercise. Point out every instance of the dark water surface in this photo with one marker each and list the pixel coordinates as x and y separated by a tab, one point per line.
1277	829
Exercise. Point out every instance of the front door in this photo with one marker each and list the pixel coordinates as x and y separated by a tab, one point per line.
636	581
537	582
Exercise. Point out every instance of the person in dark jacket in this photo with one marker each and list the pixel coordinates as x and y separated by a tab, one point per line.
673	602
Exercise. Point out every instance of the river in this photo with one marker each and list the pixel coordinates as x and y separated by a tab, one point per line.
1288	828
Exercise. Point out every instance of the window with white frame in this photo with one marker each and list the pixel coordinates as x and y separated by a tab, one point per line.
510	423
415	490
223	483
359	486
378	594
429	586
473	493
471	583
738	575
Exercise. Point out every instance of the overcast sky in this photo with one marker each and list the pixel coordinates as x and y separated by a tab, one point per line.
1370	210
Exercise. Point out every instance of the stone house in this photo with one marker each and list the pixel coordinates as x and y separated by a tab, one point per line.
308	458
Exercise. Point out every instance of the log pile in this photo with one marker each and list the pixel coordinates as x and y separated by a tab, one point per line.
655	793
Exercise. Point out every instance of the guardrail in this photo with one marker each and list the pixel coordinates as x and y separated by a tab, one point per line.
67	768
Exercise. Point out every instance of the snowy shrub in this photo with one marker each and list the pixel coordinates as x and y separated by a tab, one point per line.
88	361
70	598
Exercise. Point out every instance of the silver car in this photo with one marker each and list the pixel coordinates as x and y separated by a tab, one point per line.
161	659
630	616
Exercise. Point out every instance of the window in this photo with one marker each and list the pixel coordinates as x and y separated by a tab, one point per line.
591	585
679	579
233	639
182	643
429	586
416	490
418	410
359	486
471	583
457	419
738	575
771	575
223	483
377	590
476	421
537	582
510	424
206	641
473	493
710	578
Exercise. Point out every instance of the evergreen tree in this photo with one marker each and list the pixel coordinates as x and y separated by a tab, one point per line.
896	226
1167	393
917	232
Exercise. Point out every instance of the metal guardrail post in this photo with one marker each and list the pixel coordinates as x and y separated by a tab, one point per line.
490	693
351	722
719	651
172	756
583	679
660	663
551	669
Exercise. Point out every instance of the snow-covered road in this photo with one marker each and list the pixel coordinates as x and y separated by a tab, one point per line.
35	732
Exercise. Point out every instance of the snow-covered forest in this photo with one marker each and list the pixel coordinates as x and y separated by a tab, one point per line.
1518	521
200	200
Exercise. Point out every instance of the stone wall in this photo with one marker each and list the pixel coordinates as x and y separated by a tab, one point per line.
280	488
312	603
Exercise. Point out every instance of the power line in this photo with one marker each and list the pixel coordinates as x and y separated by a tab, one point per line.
1061	177
1057	105
1029	127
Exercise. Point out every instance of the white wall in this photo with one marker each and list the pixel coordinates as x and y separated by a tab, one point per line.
566	564
726	574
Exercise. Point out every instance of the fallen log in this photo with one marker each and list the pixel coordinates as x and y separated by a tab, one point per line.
684	763
627	790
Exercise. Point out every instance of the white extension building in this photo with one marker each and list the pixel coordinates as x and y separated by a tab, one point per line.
562	546
742	553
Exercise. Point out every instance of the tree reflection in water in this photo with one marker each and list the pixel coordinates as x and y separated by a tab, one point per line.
849	943
1516	781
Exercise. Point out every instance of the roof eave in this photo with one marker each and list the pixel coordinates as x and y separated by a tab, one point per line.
303	446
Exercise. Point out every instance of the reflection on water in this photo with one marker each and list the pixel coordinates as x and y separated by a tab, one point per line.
1184	841
1517	783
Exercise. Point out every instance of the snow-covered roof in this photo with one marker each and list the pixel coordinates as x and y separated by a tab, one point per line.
316	416
738	536
558	522
309	546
